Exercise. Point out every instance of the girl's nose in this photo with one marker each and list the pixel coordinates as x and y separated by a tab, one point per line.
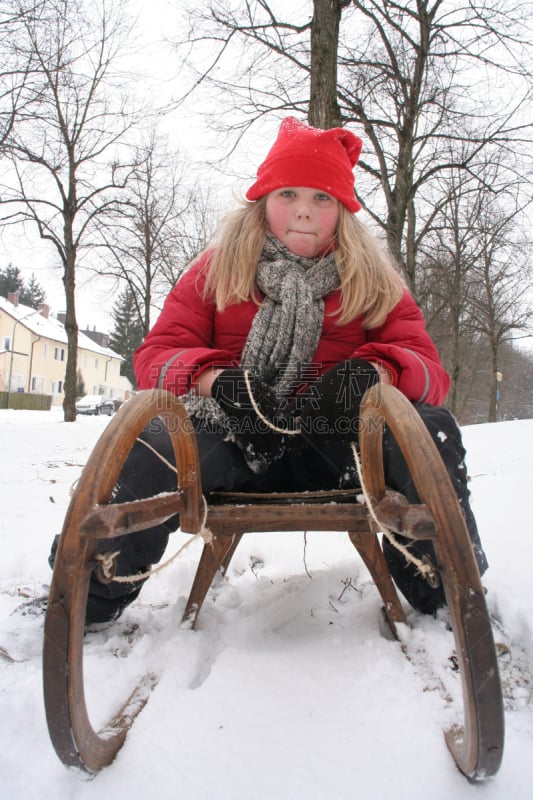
303	210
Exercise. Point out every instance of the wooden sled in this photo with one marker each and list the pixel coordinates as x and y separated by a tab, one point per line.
477	747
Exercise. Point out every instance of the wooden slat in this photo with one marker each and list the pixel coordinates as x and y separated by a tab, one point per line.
232	518
106	522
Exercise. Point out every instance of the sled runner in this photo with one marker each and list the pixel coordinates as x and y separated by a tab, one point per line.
477	747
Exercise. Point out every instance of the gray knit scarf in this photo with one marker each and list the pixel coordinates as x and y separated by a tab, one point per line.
287	327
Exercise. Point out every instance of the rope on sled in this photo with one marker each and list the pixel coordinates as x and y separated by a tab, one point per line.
427	570
161	457
107	559
295	432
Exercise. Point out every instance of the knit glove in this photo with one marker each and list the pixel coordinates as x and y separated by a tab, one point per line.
329	409
260	444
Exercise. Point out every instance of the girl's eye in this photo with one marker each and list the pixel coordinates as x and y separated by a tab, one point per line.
322	196
287	193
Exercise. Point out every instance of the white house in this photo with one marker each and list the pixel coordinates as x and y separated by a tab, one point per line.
33	355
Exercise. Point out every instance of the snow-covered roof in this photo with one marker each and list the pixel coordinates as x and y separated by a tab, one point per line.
51	328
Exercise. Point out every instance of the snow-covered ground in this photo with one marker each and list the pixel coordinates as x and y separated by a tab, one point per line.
286	689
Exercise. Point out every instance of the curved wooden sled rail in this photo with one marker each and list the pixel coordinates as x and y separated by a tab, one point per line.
478	747
75	740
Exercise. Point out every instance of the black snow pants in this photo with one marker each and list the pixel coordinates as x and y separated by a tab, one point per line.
321	464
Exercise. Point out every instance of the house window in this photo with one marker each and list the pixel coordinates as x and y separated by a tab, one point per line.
17	382
57	387
59	353
96	363
6	343
37	384
45	349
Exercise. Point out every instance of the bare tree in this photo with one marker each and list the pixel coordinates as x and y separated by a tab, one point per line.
515	399
14	71
446	289
416	76
161	225
419	87
65	172
472	271
502	279
196	228
289	64
422	79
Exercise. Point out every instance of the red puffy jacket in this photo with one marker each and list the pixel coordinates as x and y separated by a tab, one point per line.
191	335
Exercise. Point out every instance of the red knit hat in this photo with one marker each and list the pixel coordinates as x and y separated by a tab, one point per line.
304	156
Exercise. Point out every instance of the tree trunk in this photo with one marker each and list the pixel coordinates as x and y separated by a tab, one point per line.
493	396
71	327
324	110
69	282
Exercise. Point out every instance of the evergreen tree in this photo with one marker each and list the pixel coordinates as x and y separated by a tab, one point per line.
128	332
80	384
32	294
10	280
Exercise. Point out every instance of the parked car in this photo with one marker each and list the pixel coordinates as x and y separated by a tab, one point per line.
95	404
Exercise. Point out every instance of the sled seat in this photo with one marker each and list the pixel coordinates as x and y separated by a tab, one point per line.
91	519
232	514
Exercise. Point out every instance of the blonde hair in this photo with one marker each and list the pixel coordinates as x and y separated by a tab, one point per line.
370	285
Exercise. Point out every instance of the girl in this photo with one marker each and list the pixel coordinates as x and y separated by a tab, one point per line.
294	313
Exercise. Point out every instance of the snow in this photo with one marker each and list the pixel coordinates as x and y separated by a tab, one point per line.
286	688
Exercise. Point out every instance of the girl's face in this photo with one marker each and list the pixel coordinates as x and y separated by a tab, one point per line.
303	219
